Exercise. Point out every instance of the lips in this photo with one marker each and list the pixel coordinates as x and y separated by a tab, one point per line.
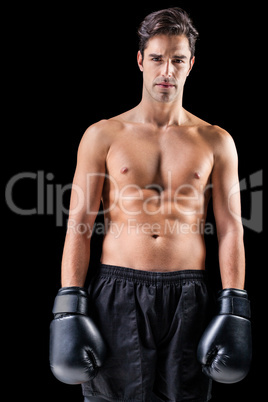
165	85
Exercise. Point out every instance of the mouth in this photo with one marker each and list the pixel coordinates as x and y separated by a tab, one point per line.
165	85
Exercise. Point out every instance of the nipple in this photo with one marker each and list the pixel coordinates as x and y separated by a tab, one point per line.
197	175
124	170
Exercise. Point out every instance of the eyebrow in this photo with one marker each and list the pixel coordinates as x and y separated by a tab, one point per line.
174	57
180	57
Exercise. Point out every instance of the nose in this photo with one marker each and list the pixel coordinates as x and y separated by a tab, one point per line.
167	69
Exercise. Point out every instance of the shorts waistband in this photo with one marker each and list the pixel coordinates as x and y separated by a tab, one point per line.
149	277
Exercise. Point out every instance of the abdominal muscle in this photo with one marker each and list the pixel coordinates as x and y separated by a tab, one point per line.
160	242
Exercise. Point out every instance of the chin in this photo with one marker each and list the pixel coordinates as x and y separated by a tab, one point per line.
165	99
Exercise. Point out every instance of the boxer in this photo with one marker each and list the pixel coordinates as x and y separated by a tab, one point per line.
141	332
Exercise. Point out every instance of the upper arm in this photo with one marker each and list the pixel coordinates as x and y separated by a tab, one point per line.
89	174
225	185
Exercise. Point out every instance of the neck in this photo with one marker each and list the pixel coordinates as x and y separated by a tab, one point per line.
161	114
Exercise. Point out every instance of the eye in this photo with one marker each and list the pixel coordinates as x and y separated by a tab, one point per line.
156	59
178	61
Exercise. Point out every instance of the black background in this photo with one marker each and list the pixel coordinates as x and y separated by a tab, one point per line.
72	65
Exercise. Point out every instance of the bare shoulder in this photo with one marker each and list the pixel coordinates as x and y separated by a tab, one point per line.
204	127
219	138
220	141
102	130
214	132
100	135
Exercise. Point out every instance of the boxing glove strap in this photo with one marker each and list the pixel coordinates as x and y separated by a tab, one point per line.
70	303
235	306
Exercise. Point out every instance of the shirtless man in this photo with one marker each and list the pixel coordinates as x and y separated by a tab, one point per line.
154	168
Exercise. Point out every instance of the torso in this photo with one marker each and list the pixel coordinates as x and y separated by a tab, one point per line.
155	195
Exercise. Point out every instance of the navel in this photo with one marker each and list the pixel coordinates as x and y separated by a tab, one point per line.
197	175
124	170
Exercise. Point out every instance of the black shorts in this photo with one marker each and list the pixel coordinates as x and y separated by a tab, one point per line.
152	323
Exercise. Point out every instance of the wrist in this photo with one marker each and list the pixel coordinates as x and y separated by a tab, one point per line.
79	290
71	300
235	292
233	301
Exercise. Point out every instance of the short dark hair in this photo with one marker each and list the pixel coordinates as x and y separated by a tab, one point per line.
170	21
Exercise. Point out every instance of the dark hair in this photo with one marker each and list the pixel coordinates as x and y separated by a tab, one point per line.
170	21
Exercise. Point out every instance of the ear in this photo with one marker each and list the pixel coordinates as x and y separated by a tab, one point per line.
139	60
191	64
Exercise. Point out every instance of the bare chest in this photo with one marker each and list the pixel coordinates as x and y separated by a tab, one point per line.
160	162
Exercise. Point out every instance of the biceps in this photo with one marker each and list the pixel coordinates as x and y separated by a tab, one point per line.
86	194
226	199
87	186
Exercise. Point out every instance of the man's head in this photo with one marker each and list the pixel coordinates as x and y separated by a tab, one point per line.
166	53
171	21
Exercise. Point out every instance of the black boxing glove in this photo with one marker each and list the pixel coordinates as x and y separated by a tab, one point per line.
77	349
225	348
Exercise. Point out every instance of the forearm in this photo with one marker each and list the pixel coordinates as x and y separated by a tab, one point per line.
232	259
75	259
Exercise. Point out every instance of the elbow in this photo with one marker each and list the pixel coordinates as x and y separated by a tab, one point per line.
236	231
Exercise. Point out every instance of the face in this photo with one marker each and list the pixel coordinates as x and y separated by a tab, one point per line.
166	64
